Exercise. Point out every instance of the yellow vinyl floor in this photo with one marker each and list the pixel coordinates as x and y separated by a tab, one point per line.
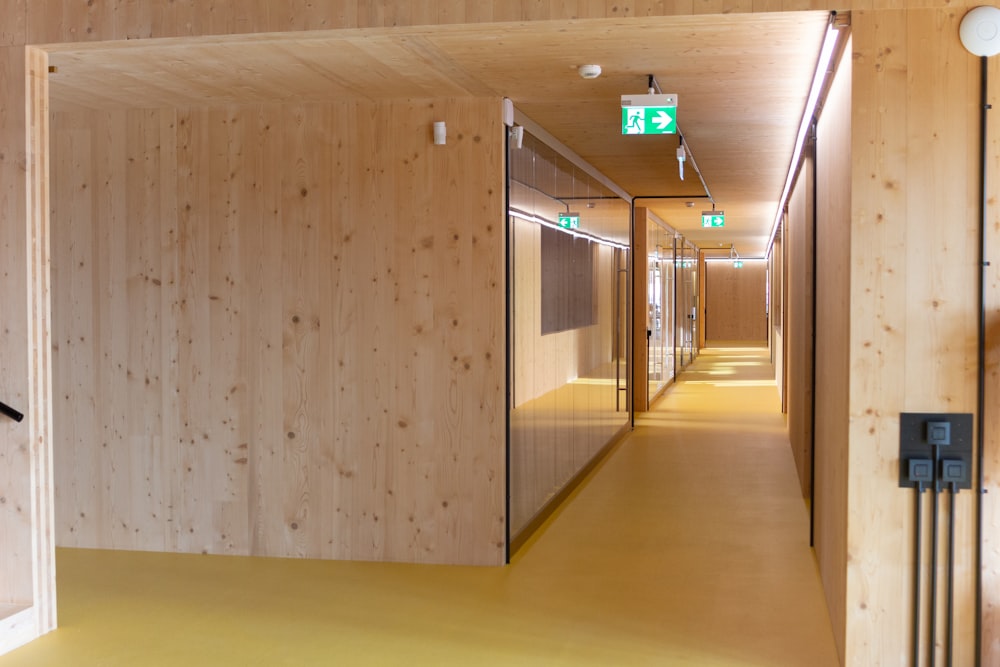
688	546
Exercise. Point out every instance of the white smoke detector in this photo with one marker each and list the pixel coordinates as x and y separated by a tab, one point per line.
980	31
589	71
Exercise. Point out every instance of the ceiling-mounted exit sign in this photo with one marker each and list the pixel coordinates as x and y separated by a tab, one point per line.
569	220
713	218
649	114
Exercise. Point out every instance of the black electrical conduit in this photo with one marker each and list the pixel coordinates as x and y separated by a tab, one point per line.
949	616
935	491
10	412
655	85
981	390
508	305
917	544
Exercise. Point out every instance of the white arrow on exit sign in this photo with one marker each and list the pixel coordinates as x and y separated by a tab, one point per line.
662	120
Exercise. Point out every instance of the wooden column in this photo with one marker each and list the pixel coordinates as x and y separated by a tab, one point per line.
640	310
27	563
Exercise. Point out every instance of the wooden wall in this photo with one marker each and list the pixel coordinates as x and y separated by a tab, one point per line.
798	251
15	468
27	559
914	307
279	331
902	57
833	317
735	301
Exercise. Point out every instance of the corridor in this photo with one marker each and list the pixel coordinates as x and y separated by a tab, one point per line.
687	546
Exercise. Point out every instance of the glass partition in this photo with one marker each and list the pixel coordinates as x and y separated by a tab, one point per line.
568	277
660	307
686	272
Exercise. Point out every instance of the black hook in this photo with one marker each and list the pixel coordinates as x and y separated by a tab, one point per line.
11	412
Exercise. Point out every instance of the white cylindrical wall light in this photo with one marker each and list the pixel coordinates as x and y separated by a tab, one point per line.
517	136
440	133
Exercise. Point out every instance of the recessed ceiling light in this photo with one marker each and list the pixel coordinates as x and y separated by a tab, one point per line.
589	71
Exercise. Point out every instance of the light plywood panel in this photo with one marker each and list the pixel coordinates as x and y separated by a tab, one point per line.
879	329
109	338
227	285
945	300
798	319
880	267
65	21
833	312
262	250
305	364
15	453
735	301
190	315
74	175
304	373
913	327
137	495
13	19
39	352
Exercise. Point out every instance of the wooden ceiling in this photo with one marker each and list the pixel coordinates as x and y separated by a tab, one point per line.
741	80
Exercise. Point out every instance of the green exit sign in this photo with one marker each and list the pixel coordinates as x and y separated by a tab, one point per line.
649	114
649	120
738	264
569	220
713	218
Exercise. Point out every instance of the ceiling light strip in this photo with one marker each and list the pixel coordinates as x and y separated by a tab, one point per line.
529	217
815	90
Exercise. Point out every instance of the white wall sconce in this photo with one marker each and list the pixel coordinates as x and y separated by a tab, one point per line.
440	133
517	136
